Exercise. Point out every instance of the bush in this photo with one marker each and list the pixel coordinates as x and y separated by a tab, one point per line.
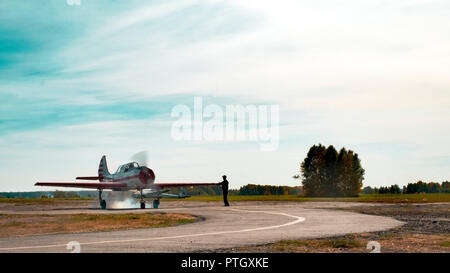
369	190
60	194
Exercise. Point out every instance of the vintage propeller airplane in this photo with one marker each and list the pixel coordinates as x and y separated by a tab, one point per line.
128	177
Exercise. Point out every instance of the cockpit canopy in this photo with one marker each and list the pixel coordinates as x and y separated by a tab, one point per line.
127	167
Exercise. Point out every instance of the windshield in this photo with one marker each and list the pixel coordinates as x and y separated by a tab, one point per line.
118	169
127	167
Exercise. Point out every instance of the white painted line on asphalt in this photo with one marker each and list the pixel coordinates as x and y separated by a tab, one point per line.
297	220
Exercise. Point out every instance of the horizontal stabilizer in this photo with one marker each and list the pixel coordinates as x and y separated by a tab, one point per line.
168	195
162	194
88	177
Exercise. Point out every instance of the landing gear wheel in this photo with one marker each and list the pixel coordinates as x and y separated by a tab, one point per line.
103	204
155	203
143	205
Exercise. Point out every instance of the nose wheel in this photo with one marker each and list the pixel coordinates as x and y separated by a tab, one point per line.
142	200
102	202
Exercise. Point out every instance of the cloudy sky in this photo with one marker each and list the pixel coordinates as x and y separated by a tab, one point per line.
80	81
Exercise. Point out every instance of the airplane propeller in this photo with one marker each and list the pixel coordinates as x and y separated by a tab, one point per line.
141	158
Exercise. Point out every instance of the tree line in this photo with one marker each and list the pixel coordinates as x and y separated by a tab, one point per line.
417	187
49	194
249	189
252	189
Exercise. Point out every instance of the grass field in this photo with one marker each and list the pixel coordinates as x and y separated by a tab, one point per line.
13	225
376	198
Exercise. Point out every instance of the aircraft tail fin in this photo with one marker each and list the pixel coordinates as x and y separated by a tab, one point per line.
103	169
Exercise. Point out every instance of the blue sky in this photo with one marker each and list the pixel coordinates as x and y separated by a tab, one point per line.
77	82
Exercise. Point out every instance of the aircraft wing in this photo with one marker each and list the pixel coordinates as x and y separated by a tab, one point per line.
168	185
98	185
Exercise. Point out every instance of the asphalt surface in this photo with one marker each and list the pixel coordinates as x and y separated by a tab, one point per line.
242	224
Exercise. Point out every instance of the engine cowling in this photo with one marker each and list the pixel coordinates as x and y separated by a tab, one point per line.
146	175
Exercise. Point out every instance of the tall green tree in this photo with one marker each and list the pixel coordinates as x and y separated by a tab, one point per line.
326	172
312	171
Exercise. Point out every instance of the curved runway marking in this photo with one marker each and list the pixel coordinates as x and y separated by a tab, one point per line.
298	220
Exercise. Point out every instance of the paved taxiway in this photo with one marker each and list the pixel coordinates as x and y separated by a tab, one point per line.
244	223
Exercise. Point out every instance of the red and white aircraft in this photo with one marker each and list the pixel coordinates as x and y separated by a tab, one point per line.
128	177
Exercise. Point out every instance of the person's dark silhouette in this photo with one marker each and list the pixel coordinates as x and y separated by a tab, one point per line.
224	185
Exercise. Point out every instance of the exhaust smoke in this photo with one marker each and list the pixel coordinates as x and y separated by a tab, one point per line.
120	200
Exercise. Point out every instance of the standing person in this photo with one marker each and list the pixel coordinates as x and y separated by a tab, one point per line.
224	185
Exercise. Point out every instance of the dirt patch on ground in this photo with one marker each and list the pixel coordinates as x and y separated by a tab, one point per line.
17	225
23	204
419	219
358	243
